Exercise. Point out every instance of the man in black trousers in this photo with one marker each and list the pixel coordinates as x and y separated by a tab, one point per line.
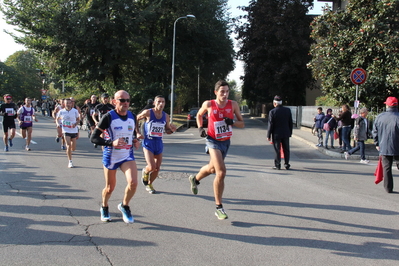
280	131
385	134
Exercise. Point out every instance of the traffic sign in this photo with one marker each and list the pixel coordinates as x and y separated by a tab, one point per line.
44	97
44	91
358	76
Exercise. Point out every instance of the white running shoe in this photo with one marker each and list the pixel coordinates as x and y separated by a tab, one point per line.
364	161
70	164
347	155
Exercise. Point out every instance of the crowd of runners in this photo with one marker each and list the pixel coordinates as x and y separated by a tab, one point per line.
112	126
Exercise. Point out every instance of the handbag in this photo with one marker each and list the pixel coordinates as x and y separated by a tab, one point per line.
326	126
336	135
379	175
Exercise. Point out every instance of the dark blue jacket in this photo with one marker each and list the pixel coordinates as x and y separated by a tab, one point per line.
332	122
319	120
280	123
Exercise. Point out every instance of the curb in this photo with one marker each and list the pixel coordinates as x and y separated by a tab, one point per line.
322	150
333	153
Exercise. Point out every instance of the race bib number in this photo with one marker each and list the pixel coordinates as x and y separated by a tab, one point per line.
222	130
28	119
128	138
10	111
67	124
156	129
91	112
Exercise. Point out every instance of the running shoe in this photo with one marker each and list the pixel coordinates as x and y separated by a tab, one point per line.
6	148
364	161
57	139
105	214
126	214
63	148
347	155
150	189
70	164
194	188
27	148
10	141
144	177
221	214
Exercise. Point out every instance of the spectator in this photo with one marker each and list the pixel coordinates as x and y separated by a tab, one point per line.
386	134
319	126
346	120
332	125
360	134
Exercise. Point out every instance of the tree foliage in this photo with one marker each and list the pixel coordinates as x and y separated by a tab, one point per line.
20	76
275	45
364	35
99	45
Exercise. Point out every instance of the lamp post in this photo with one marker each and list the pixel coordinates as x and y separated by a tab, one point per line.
173	66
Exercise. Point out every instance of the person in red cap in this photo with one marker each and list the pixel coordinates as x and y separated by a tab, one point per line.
9	111
386	134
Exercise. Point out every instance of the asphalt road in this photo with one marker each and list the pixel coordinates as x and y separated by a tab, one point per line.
325	211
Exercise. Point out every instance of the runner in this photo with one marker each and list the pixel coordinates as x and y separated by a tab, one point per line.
221	114
68	118
9	112
26	115
74	105
60	106
156	122
118	127
101	109
89	110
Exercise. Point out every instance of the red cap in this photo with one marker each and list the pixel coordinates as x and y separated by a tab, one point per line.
391	101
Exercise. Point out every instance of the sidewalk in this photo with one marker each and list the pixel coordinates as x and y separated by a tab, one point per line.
304	134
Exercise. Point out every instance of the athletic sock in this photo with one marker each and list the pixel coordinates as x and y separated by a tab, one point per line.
220	206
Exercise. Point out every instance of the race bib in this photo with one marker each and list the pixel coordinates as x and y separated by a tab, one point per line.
156	129
222	130
128	138
67	124
28	119
10	111
91	112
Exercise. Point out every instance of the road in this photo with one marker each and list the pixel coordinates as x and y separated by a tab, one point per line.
325	211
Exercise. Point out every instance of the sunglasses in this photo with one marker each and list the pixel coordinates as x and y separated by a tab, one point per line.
124	100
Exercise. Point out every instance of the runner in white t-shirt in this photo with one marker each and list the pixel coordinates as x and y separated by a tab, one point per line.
68	118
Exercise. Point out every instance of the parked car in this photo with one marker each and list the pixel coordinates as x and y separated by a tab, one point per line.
192	118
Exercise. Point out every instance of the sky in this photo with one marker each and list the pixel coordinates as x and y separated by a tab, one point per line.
8	46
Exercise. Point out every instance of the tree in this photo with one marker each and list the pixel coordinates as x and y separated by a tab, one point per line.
21	75
275	50
364	35
122	44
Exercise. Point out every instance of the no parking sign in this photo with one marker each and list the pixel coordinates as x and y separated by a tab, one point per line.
358	76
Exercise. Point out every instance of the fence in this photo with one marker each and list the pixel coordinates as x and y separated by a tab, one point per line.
302	116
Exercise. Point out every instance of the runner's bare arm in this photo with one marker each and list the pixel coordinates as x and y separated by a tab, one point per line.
239	120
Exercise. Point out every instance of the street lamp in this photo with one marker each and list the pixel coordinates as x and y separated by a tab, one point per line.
173	66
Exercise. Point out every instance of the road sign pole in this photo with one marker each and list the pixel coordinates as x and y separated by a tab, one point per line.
358	76
356	102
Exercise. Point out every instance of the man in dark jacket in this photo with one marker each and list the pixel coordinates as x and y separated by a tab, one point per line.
386	134
280	131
